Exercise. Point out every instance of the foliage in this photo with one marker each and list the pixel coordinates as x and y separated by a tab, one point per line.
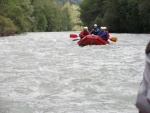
130	16
7	26
144	12
35	15
91	11
77	2
74	15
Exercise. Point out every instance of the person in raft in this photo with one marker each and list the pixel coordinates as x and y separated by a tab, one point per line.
84	32
95	30
143	96
103	33
108	35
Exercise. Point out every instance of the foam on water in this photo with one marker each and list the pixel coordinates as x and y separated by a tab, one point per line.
50	73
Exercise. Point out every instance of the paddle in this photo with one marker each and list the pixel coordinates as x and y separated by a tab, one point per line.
113	39
75	39
73	36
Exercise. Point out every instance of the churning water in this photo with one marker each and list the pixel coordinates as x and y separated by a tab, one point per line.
47	72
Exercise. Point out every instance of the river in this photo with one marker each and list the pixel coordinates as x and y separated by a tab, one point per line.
47	72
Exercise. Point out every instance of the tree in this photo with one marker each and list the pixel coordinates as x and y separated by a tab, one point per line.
111	15
144	12
7	27
91	11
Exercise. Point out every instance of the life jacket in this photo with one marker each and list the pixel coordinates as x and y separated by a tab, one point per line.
84	33
95	31
107	32
103	34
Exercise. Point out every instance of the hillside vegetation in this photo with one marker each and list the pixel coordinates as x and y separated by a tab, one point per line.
124	16
17	16
76	2
74	15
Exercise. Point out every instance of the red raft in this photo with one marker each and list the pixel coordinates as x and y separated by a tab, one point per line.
92	40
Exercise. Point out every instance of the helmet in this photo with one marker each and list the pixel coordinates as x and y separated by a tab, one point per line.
104	28
85	28
95	24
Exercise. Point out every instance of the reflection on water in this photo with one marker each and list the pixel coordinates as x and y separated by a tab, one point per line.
50	73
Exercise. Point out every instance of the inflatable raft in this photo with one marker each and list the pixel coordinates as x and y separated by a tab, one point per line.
92	40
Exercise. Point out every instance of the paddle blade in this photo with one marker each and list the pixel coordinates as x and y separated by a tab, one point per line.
73	36
114	39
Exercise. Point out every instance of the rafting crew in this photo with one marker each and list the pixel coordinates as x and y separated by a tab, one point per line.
84	32
102	32
95	30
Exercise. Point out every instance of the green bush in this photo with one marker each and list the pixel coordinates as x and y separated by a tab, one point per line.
7	27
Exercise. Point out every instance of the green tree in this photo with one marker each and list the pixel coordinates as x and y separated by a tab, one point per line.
73	16
7	27
111	15
131	16
91	11
17	13
58	18
144	12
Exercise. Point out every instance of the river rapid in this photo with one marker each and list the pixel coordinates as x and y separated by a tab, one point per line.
47	72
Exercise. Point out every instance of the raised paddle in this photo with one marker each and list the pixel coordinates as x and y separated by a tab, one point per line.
73	36
113	39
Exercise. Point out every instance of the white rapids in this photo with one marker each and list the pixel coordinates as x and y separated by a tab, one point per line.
47	72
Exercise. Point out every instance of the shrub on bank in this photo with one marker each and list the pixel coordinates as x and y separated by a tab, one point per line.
7	27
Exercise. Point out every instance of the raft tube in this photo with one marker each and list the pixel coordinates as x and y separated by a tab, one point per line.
92	40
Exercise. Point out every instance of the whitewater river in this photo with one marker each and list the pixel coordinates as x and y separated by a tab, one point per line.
49	73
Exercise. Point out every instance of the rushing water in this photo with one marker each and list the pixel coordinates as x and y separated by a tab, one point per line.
50	73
